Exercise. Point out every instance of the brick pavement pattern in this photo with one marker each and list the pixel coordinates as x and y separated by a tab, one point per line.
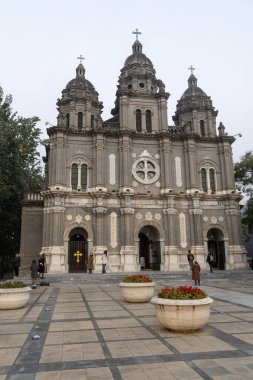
87	332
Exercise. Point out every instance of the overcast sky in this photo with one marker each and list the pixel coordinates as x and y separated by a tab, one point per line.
41	40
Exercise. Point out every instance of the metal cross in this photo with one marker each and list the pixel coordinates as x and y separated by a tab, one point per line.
191	68
78	254
81	58
136	32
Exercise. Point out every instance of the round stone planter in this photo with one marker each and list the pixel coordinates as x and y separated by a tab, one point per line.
137	292
14	298
182	315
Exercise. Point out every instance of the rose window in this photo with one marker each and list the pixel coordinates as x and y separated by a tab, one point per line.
146	171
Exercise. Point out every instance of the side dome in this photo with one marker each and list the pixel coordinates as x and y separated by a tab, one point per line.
80	81
194	97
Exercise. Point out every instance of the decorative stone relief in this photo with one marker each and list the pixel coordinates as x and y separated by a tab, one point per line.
100	210
79	219
158	184
113	223
213	220
134	184
196	211
182	230
87	217
157	156
205	218
221	219
148	216
158	216
145	153
133	155
112	177
178	171
127	210
69	217
138	216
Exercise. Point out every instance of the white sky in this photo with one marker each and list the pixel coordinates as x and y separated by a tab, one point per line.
40	41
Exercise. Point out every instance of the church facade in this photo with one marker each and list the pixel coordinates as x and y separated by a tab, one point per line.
133	185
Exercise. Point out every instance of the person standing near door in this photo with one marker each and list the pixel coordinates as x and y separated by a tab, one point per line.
16	264
190	258
104	262
90	262
209	260
196	273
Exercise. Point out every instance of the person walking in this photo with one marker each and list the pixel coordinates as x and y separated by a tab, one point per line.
42	265
196	272
209	260
34	273
16	264
90	262
104	262
190	258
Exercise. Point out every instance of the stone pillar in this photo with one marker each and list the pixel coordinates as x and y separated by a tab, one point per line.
128	254
100	226
100	161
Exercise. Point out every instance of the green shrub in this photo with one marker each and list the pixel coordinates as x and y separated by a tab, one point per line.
12	284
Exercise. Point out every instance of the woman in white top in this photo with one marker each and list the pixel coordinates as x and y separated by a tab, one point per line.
104	262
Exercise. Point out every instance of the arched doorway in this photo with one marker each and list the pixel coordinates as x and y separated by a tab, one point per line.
216	247
149	248
78	250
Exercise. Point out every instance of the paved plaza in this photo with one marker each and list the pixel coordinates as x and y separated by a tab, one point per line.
87	331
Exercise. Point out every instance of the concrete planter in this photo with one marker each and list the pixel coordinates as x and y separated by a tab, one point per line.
182	316
14	298
137	292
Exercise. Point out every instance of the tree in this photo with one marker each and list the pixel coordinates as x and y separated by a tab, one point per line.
244	183
20	171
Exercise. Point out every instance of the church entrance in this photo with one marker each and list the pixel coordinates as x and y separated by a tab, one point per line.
78	250
216	247
149	248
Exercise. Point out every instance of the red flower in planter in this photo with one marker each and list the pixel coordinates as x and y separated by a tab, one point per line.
182	293
137	278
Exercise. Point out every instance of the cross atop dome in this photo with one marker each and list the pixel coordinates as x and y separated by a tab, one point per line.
81	58
191	68
136	33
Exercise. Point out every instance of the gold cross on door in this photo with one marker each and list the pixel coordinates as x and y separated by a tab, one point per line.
77	254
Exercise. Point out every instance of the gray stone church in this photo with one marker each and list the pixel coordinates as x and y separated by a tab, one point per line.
133	185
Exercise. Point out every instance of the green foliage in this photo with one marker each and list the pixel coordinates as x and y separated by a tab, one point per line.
12	284
182	293
20	171
137	278
244	183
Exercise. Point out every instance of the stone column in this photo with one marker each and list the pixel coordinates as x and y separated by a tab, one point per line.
100	226
100	161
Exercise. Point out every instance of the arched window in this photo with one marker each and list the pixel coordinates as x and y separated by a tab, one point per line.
208	181
80	120
202	128
138	121
148	121
212	180
79	176
84	176
204	180
74	176
92	121
190	126
67	120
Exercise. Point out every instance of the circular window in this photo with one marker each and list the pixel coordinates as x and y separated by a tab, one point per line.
141	85
146	171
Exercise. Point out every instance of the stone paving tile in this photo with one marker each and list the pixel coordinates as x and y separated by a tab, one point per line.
221	317
126	333
227	368
110	314
102	373
69	315
15	329
68	326
245	337
8	355
161	371
235	327
64	337
117	323
12	340
248	316
132	348
193	343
